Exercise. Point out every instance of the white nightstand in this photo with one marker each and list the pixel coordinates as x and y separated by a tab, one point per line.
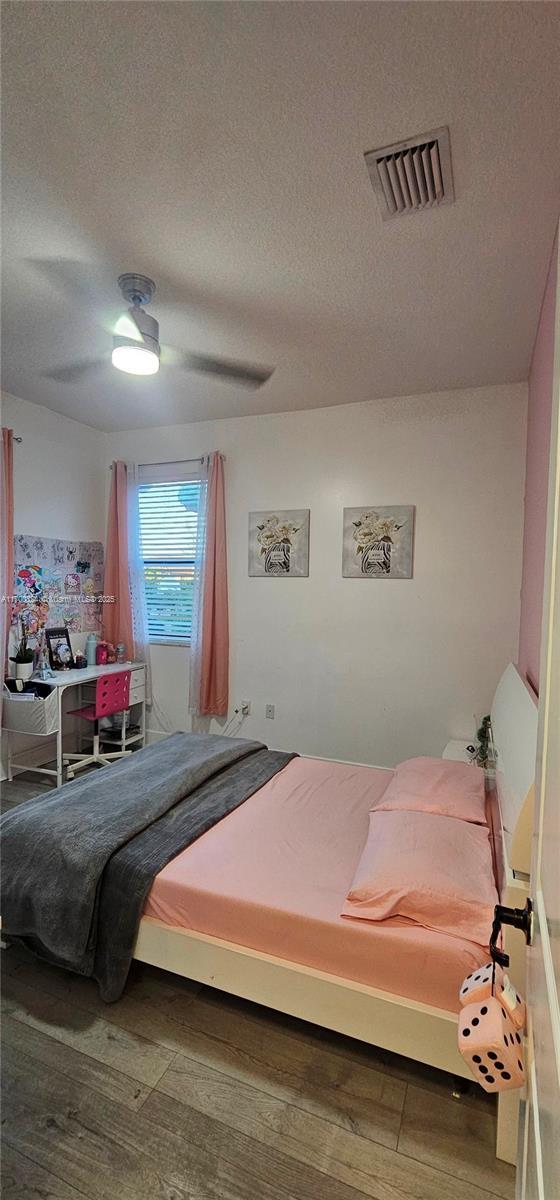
458	751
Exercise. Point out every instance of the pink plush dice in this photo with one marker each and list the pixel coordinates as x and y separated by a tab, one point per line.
514	1004
491	1045
477	987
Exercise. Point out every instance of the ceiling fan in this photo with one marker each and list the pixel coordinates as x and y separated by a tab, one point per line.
136	347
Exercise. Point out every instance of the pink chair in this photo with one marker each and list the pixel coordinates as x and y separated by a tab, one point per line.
111	696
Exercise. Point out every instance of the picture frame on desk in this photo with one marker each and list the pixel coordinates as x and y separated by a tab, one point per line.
59	647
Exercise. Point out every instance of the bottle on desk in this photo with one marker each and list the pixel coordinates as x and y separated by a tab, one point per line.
91	649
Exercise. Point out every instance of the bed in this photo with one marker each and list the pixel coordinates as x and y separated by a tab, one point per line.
253	904
266	925
272	877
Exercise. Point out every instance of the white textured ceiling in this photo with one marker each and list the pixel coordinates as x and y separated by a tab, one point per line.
218	147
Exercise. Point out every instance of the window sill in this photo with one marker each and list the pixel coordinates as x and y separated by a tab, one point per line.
170	642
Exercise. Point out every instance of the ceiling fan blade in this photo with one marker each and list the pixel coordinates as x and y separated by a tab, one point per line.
73	372
246	374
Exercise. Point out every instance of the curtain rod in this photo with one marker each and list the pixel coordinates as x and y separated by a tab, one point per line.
176	462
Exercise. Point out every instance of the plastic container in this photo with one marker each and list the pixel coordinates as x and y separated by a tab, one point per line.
101	654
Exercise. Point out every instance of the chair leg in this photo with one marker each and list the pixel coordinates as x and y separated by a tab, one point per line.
75	762
79	761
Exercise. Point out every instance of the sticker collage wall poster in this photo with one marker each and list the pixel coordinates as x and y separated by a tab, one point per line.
57	583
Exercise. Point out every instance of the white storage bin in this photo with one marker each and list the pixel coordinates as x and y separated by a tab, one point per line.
37	717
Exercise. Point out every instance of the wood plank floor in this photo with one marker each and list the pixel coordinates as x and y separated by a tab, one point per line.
178	1092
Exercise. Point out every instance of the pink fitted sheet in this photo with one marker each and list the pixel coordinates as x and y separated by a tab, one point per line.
274	874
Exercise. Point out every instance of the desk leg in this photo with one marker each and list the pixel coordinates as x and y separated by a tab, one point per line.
9	763
59	765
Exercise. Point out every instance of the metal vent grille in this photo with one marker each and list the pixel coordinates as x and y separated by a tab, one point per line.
414	175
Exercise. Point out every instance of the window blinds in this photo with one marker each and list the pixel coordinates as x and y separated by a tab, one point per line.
168	517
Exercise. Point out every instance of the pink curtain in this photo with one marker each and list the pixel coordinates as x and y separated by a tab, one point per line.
6	536
214	624
117	617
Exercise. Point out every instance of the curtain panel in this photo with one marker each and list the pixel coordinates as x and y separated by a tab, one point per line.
6	539
117	613
209	659
137	590
124	620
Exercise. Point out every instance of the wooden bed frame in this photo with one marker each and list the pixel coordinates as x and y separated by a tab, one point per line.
380	1018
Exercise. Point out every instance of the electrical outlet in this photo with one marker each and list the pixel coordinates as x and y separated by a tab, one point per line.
269	711
245	707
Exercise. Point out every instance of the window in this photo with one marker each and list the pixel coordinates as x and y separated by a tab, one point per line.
168	515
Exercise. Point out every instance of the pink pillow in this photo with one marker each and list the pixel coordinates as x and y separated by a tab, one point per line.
433	870
437	785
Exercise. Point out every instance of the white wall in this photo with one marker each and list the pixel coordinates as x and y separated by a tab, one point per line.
59	473
60	476
372	671
59	481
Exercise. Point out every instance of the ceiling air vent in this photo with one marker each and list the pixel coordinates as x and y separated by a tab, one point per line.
412	175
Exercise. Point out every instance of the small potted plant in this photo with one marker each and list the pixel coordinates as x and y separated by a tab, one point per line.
483	738
23	657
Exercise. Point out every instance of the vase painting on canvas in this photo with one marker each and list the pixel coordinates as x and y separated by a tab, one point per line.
279	543
377	543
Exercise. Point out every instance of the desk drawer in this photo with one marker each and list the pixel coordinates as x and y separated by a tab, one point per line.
137	687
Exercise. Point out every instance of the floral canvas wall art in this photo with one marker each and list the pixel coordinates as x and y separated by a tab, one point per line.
279	543
377	543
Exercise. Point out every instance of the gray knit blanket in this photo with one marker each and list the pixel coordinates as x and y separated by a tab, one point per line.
77	864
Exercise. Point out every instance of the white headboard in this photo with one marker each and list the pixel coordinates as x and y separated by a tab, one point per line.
514	735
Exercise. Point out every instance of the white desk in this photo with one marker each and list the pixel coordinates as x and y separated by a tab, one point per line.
59	682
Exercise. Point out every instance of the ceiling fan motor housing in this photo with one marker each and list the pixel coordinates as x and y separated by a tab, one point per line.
136	289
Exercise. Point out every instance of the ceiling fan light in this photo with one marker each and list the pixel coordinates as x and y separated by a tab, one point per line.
136	343
134	359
